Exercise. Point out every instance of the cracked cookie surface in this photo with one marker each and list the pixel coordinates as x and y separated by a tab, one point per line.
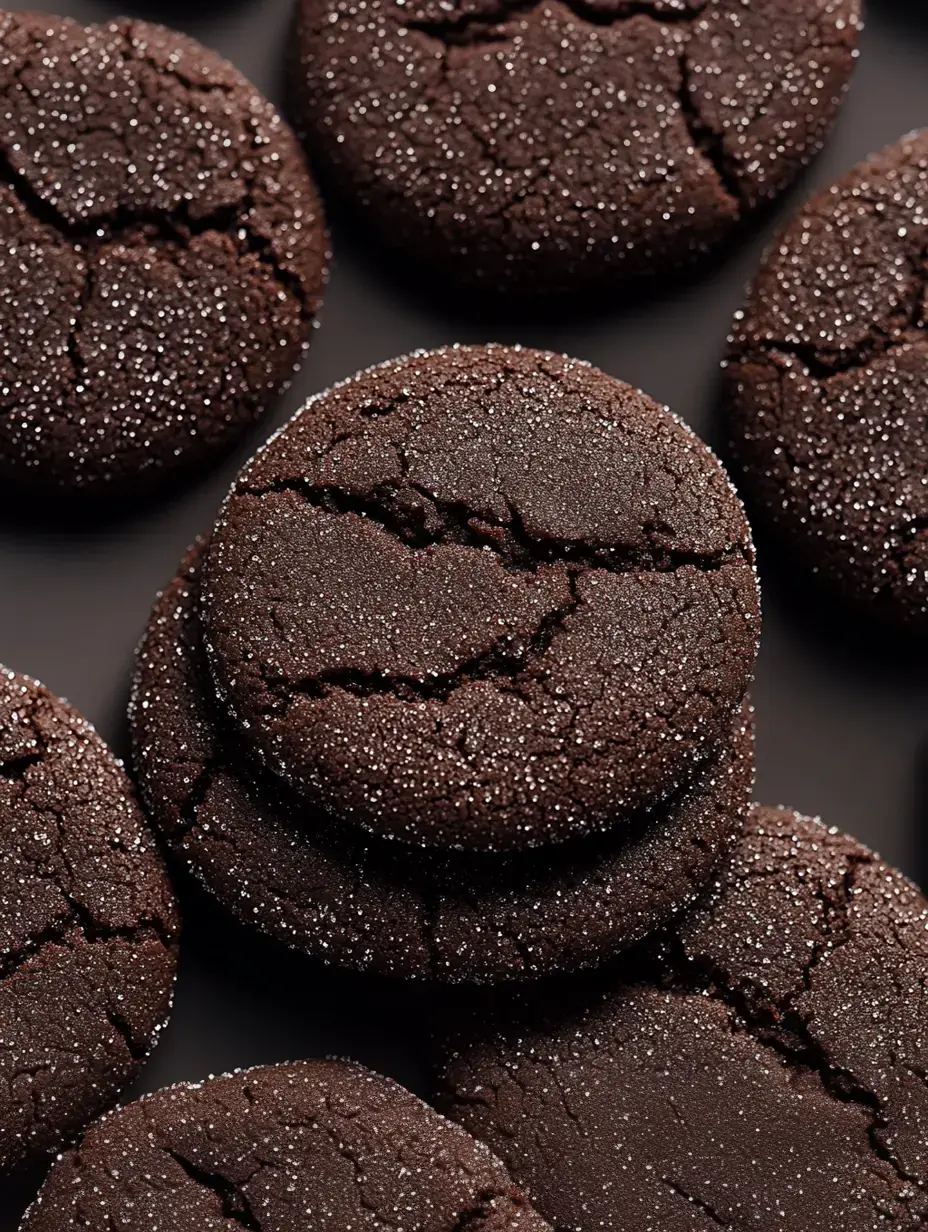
761	1066
482	597
353	900
321	1144
826	384
163	252
87	920
540	146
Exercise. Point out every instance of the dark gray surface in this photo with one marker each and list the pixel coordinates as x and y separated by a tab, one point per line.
842	718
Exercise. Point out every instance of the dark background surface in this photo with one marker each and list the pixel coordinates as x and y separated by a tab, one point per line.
841	708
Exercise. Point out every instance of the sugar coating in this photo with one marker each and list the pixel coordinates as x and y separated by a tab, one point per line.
826	385
482	597
357	902
163	252
88	926
539	145
761	1067
325	1145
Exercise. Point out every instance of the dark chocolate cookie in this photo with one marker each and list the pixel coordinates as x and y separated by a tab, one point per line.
163	252
827	383
322	1144
539	145
356	901
764	1068
88	927
482	597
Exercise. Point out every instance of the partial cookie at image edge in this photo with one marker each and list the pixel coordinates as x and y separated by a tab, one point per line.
826	382
88	921
763	1060
259	1147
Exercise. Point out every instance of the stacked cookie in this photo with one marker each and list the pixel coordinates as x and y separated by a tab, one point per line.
457	685
456	689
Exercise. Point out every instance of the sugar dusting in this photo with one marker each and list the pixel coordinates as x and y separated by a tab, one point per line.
88	926
762	1066
540	146
484	598
163	252
826	385
355	902
320	1144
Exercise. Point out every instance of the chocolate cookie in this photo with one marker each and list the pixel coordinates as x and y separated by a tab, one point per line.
163	252
357	901
482	597
764	1067
827	382
321	1144
88	927
536	146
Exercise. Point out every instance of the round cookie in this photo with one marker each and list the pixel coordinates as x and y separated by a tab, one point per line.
541	147
482	597
763	1067
320	1144
88	926
355	901
827	381
163	253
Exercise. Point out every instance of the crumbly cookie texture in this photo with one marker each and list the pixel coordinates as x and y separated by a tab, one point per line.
87	922
825	385
321	1144
539	146
163	252
360	902
482	597
762	1066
